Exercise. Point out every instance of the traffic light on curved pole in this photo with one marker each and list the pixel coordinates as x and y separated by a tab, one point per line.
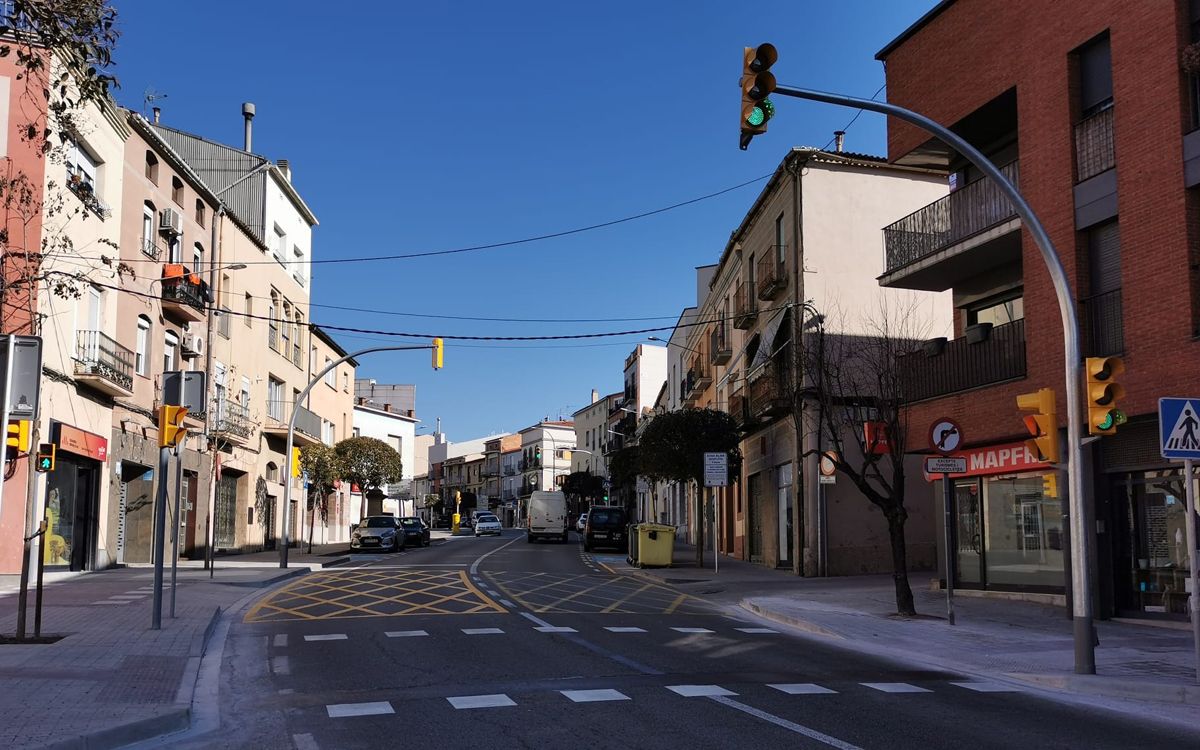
1103	393
757	84
1042	424
171	431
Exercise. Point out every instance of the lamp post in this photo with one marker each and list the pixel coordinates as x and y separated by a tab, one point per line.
1080	513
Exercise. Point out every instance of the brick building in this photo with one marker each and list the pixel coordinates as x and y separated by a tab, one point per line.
1087	105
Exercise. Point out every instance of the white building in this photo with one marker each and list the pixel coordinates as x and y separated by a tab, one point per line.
591	424
645	371
544	454
397	430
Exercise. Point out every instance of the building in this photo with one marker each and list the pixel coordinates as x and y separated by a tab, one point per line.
446	469
333	403
396	428
545	455
591	427
1065	97
494	451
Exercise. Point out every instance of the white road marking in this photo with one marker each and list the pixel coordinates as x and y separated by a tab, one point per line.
756	631
482	631
113	601
280	665
481	701
536	619
405	633
475	565
699	691
894	687
987	687
128	596
625	630
789	725
552	629
326	637
281	640
593	696
340	710
802	688
507	603
691	630
304	742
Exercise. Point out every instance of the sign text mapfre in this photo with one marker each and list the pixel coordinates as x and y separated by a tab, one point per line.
1008	458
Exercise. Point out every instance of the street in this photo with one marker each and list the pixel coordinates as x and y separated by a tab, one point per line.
494	642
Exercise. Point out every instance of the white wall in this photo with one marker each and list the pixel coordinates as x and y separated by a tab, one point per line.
651	373
281	211
382	425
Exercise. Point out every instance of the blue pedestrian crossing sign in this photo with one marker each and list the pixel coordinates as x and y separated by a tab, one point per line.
1179	427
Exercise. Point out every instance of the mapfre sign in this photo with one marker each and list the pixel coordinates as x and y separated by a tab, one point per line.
1009	458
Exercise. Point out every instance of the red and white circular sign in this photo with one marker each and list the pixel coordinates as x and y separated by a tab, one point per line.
945	435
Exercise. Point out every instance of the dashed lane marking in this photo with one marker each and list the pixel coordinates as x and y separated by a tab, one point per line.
281	666
699	691
327	637
498	700
757	631
625	630
894	687
594	696
691	630
405	633
552	629
987	687
482	631
341	710
802	688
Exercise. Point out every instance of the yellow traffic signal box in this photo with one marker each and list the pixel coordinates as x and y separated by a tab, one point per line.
171	431
1042	424
1103	393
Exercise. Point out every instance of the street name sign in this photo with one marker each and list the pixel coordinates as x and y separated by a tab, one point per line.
716	469
945	464
1179	428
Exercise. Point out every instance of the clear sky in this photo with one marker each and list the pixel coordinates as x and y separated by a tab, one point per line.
437	125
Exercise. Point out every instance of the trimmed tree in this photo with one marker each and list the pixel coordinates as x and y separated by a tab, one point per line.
368	462
583	485
673	447
324	469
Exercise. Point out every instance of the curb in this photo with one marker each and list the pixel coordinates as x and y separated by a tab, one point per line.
1114	687
795	622
172	720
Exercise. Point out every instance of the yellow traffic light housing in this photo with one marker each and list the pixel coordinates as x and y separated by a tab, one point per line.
438	353
171	431
46	456
757	84
1103	393
1042	424
1050	485
295	463
18	435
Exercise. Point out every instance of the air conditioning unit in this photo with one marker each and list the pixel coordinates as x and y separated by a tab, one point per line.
170	221
193	346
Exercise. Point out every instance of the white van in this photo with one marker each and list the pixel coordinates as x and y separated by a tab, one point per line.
547	517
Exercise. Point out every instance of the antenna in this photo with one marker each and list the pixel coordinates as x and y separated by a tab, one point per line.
150	95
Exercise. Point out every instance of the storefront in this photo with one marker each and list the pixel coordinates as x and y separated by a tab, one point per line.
73	499
1008	535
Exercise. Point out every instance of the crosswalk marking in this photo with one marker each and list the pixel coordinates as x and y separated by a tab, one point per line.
552	629
987	687
482	631
802	688
405	633
593	696
327	637
691	630
625	630
894	687
699	691
280	640
341	710
498	700
757	631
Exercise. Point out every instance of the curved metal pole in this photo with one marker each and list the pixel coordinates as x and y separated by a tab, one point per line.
1085	656
291	434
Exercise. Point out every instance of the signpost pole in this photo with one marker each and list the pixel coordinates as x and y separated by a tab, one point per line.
717	531
1194	599
160	536
948	503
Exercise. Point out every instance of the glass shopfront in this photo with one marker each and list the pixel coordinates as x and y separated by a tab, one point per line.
1151	560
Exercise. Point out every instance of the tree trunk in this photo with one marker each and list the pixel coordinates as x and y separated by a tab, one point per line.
904	595
312	524
700	526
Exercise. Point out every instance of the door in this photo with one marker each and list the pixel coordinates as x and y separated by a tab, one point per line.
754	539
784	500
969	564
1155	549
226	513
187	515
71	508
267	519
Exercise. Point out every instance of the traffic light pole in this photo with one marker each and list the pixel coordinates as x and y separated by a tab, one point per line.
1080	522
160	536
291	435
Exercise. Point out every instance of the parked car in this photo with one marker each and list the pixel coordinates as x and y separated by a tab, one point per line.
378	532
487	523
606	527
547	516
581	523
415	531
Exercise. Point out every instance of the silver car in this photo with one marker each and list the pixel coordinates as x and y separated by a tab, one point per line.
486	523
378	533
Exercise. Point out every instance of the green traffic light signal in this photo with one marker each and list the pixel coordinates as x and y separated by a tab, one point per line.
761	112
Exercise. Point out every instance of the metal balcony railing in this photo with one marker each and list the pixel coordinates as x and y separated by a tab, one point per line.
719	347
151	247
183	287
232	418
745	306
273	336
97	354
738	407
307	422
770	271
768	392
1094	152
938	369
971	209
1103	329
699	374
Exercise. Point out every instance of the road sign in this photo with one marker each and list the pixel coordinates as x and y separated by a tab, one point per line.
1179	427
945	464
716	469
945	435
828	470
26	379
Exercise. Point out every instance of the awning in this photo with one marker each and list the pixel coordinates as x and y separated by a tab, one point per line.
766	341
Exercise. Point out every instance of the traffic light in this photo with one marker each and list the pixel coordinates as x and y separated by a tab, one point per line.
1042	424
46	455
537	453
1103	393
171	431
295	462
438	352
757	84
18	435
1050	485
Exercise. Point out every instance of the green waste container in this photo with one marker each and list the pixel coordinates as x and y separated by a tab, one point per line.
655	545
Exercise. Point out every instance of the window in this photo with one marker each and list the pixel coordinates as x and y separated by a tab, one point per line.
275	401
249	310
286	328
152	167
223	316
357	432
346	382
81	167
312	361
998	311
278	245
1095	76
272	471
298	340
328	432
780	246
177	190
171	340
197	257
298	265
175	253
331	376
142	354
149	246
396	442
201	210
245	391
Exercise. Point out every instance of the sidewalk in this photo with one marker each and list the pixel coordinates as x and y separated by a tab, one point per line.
111	680
1006	640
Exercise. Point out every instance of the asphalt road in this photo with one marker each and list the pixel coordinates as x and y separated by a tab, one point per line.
496	643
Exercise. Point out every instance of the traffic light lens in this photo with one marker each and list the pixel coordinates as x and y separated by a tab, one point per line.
757	117
1107	422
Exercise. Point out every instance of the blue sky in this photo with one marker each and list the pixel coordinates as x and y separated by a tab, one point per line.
427	126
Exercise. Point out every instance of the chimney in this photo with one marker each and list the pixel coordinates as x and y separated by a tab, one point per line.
285	166
595	395
248	115
157	114
387	407
839	138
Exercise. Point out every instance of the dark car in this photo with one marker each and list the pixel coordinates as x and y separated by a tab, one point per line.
415	531
605	527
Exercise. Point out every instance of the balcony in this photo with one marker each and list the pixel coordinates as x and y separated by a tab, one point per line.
1094	152
720	348
969	231
1103	330
86	193
771	277
768	393
700	373
745	307
184	294
308	424
739	408
103	364
231	421
942	367
151	247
